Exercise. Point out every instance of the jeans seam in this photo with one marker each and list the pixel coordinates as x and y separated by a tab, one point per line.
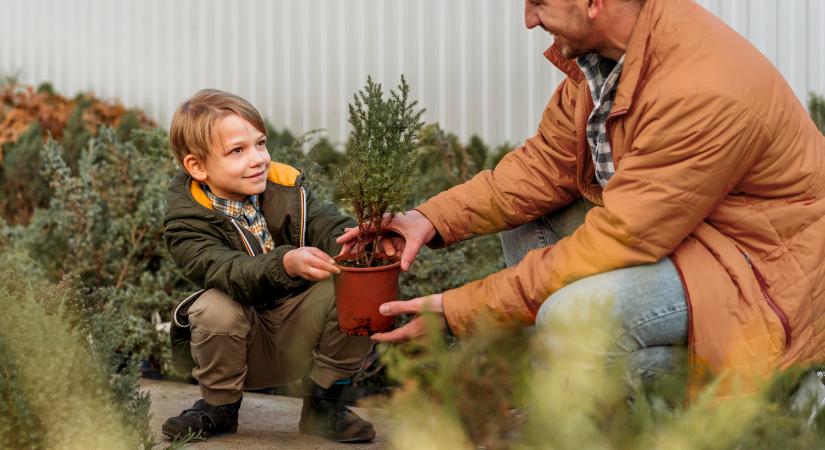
541	236
680	309
629	332
546	221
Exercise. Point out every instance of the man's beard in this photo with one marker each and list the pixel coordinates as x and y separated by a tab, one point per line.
569	51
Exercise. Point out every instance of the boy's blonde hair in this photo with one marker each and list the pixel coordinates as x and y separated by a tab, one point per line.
192	128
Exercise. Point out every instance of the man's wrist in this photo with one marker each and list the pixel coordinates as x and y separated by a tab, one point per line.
431	231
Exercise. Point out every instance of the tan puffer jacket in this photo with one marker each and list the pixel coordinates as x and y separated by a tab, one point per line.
717	164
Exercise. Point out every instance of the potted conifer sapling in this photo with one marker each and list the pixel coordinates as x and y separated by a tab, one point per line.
378	171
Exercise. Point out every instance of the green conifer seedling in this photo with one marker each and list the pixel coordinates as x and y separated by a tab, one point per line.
379	166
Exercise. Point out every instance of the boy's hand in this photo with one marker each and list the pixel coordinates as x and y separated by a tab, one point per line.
309	263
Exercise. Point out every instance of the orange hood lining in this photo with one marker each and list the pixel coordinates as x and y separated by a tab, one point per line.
278	173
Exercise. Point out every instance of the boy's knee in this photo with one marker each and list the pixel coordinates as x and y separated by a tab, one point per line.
215	312
323	293
326	289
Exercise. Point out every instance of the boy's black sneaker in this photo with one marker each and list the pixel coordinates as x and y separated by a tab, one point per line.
205	419
325	415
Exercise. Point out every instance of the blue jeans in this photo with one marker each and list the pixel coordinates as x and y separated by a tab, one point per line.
648	301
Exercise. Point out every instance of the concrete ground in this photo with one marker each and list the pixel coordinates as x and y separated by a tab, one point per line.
265	421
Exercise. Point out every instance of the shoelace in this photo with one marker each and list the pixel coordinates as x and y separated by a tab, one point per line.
208	425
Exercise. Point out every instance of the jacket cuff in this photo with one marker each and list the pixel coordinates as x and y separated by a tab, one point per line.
430	211
280	276
455	315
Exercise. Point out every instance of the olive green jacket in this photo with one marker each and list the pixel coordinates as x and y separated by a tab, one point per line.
214	251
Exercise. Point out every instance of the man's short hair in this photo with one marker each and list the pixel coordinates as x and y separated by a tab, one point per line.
192	128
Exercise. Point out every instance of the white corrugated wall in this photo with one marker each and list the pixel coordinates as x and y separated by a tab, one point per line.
471	63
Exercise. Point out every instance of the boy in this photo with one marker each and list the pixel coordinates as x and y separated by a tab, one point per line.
245	230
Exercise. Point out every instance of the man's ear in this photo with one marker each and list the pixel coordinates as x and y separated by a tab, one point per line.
594	8
195	167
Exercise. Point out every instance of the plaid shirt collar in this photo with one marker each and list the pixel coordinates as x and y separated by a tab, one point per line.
247	213
603	90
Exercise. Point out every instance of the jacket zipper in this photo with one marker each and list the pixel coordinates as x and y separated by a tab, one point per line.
243	238
303	218
763	287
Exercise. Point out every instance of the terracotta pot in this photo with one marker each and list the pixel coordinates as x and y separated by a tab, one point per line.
360	291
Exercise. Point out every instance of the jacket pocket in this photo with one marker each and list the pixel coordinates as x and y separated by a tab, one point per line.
180	335
763	286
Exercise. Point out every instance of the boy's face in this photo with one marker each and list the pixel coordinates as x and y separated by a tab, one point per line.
238	164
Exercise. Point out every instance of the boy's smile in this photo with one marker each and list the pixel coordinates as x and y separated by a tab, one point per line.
238	163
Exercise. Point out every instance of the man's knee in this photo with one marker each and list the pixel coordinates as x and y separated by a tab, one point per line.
214	312
644	305
575	301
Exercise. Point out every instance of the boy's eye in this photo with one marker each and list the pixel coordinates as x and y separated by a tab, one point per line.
262	142
236	150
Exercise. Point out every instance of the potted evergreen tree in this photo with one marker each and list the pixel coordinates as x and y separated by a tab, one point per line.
378	172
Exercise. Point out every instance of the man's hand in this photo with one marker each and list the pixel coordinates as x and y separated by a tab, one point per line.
417	327
413	230
309	263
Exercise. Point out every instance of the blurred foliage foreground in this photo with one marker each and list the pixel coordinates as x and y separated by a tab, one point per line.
86	286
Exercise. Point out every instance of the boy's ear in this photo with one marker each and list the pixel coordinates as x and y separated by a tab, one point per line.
195	167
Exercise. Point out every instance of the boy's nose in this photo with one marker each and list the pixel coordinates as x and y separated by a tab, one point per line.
258	159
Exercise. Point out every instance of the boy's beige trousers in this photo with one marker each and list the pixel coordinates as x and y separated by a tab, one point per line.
236	347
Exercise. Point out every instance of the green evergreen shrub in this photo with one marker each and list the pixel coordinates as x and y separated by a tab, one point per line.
478	151
327	157
25	112
287	149
816	106
22	187
498	153
64	383
19	424
104	225
443	162
380	162
502	389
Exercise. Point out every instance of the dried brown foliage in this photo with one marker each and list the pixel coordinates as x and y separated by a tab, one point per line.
21	106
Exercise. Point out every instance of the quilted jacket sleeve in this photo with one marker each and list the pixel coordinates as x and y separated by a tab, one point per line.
208	262
529	182
689	151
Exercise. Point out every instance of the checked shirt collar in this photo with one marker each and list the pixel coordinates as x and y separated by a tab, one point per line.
603	90
247	213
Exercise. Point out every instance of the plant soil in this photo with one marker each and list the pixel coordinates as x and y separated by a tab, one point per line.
377	262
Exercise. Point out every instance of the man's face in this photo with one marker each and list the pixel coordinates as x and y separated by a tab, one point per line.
566	21
238	164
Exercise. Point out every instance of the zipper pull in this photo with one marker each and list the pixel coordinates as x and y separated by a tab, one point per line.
747	258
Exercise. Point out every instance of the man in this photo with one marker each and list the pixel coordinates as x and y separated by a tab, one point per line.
703	187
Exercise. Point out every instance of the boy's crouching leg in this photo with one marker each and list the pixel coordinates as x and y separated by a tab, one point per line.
219	348
337	357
